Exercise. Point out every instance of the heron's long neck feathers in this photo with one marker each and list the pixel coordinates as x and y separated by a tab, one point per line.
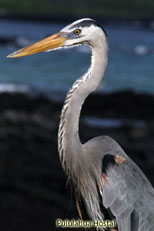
69	145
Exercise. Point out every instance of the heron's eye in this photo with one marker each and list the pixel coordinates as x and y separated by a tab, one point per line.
77	31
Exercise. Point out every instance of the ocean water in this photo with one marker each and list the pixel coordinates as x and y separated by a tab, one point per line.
131	59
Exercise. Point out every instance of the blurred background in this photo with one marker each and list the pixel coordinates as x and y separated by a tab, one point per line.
33	187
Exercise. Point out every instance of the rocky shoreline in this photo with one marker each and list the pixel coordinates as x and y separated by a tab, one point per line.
33	187
72	16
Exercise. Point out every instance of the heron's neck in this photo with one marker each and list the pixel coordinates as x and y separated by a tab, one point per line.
69	145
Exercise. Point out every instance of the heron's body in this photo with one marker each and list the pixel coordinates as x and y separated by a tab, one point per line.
108	184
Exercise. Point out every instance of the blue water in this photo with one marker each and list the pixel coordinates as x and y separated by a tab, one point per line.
131	59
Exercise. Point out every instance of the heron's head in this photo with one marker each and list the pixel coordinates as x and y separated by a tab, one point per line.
83	31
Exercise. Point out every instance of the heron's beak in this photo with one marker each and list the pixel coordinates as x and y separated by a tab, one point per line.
49	43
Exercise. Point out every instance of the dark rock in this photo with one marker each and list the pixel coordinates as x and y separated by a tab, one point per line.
33	187
7	40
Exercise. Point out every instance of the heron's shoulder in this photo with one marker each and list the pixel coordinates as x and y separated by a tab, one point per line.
104	145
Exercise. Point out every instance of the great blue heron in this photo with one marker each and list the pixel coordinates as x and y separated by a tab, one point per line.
107	182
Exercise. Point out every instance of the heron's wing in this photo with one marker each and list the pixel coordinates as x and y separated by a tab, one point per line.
122	193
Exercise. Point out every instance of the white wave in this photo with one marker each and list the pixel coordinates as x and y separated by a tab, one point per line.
141	50
11	88
113	123
22	42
